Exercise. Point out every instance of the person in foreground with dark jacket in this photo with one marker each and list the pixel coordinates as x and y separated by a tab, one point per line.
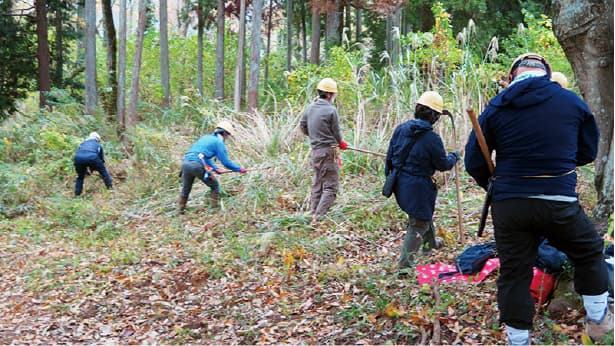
415	192
540	132
90	155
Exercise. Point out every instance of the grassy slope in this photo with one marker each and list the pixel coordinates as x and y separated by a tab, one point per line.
123	266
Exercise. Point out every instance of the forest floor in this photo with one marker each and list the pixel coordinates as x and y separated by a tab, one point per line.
124	267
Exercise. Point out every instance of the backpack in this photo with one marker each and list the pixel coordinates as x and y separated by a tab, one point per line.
472	260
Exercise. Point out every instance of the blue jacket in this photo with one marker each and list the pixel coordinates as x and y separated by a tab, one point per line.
89	150
536	128
211	146
415	192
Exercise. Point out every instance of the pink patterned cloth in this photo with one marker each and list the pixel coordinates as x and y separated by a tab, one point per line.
427	274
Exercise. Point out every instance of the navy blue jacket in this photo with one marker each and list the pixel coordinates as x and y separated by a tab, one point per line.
536	128
415	192
89	150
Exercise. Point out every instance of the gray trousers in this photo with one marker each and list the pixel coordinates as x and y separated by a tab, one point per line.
194	169
419	233
325	181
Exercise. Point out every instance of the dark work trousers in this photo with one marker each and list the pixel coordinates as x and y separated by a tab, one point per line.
325	181
519	223
194	169
94	164
419	233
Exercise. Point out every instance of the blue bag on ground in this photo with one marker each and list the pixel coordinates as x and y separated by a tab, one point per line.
473	259
549	259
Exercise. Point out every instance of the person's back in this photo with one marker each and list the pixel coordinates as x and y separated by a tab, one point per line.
90	157
321	124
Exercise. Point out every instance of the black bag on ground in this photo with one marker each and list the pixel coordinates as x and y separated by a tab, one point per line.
472	260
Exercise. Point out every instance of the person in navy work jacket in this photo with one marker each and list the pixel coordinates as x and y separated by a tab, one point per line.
540	132
200	155
415	191
90	155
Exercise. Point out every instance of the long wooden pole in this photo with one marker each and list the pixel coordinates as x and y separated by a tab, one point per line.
457	187
482	143
367	151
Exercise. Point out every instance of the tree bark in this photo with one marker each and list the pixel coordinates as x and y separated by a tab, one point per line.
42	52
164	54
132	119
58	78
268	47
111	52
121	82
303	32
255	56
585	32
332	37
91	99
347	21
359	31
289	34
220	51
199	51
315	47
241	49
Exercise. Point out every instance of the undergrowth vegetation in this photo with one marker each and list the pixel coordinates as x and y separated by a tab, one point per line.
124	266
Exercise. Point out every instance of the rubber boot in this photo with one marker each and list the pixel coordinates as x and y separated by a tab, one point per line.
181	201
215	199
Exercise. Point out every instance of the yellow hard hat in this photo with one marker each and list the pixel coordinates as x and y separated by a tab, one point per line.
560	78
528	56
432	100
328	85
94	135
226	126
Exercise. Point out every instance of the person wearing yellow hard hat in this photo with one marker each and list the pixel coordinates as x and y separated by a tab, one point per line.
198	163
415	153
90	156
540	133
560	78
321	123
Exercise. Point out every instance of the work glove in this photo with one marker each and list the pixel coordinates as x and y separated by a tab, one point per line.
343	145
201	156
457	155
242	170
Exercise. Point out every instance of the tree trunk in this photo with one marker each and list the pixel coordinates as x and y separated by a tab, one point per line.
303	32
268	48
111	53
585	32
58	75
315	47
164	54
42	52
136	68
255	56
121	82
347	21
359	31
91	98
289	34
199	51
332	37
395	30
220	51
241	49
80	49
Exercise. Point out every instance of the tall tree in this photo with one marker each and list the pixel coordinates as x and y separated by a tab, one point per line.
289	33
110	34
315	47
268	46
17	45
332	34
42	53
199	51
164	54
131	121
303	31
240	72
584	29
359	24
219	88
121	83
91	99
58	73
255	55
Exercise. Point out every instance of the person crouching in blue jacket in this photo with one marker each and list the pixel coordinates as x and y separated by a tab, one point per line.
415	192
90	155
198	163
